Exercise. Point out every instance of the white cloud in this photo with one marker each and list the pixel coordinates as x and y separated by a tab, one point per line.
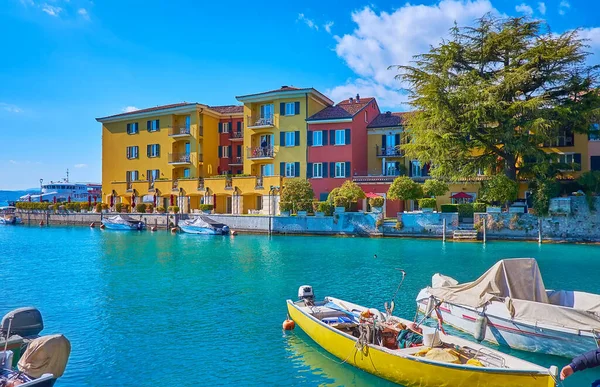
542	7
81	165
51	10
10	108
524	8
26	2
563	6
310	23
384	39
12	162
129	109
83	13
328	26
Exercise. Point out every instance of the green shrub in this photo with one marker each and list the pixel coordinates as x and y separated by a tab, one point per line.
204	207
174	209
449	208
75	207
399	225
465	210
379	223
160	209
104	206
140	207
149	208
99	207
326	208
479	207
427	203
376	202
118	207
85	206
340	201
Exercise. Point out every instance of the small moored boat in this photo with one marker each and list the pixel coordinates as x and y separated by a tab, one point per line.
8	215
203	225
509	305
395	349
122	222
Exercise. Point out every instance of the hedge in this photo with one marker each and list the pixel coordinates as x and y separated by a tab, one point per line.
465	210
479	207
427	203
141	207
326	208
206	207
376	202
449	208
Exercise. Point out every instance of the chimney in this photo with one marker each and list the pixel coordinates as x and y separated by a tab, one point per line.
284	86
351	100
388	113
357	97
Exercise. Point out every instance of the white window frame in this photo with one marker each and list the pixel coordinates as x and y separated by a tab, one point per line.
225	127
135	128
154	174
319	136
154	126
267	170
288	136
132	175
224	152
133	151
290	169
154	150
417	168
317	167
563	158
340	170
263	110
339	132
290	108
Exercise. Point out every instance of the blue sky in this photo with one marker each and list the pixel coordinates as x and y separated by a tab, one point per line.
66	62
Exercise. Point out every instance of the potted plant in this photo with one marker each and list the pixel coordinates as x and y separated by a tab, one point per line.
160	209
140	207
104	207
340	203
376	204
427	204
149	208
99	207
206	208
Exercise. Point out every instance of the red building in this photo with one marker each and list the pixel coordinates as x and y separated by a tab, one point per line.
337	143
231	139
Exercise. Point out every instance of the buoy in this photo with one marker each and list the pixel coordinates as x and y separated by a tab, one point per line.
289	325
42	223
153	228
480	327
102	226
174	230
92	225
233	233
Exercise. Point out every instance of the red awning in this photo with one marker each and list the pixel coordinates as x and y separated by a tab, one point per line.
372	195
461	195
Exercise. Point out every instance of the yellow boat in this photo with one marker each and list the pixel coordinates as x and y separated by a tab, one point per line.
360	336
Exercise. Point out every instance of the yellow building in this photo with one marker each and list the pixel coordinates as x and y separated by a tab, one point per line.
275	130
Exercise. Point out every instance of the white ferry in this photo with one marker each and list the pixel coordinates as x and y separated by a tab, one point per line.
65	191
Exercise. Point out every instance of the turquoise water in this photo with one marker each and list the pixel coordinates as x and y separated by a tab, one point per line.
146	309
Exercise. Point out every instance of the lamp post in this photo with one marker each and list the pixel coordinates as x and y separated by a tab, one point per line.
272	189
41	188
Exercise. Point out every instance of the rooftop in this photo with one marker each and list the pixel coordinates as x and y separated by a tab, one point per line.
345	109
388	119
148	110
291	90
228	109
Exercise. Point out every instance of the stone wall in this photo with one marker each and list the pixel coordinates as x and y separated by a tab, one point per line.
85	219
425	223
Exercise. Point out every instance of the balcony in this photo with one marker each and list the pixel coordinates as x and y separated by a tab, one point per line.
179	131
258	121
388	151
236	136
236	161
180	158
257	153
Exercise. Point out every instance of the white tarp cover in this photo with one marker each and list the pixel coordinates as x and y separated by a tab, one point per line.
46	354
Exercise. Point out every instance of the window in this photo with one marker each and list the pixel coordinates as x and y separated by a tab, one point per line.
290	139
188	121
290	170
267	170
317	138
565	138
131	176
153	125
186	173
132	128
390	169
154	150
153	174
317	170
290	108
594	133
340	169
132	152
340	137
225	127
416	169
259	202
225	152
266	111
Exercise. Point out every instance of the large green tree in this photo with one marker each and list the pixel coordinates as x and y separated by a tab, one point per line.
296	195
492	94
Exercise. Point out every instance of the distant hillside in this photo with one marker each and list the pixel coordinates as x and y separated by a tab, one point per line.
8	196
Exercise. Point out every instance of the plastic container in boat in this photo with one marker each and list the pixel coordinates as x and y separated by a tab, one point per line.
431	337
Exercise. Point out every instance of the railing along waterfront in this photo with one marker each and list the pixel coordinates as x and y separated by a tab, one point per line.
260	152
260	120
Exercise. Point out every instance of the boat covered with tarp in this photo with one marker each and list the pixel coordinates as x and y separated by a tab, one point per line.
402	352
203	225
509	305
122	222
8	215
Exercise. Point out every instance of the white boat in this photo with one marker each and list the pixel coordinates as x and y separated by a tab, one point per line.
65	191
9	216
122	222
203	225
509	305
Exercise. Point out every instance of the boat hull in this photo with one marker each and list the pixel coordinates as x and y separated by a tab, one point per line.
516	334
409	371
122	227
200	230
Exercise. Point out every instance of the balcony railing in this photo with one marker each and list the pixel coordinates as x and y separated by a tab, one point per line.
176	131
391	151
236	135
260	152
179	158
260	120
236	161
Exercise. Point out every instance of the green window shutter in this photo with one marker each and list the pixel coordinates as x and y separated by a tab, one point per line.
296	108
239	126
157	125
149	125
297	169
348	170
220	152
229	150
282	108
282	169
309	170
324	137
157	150
577	160
282	138
332	137
128	152
297	135
148	147
325	170
309	138
332	169
348	137
128	128
220	127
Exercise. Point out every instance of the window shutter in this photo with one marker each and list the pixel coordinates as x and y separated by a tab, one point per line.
348	139
282	138
297	169
324	137
239	151
220	127
383	141
410	166
239	126
332	169
297	135
577	160
325	170
229	150
157	150
220	152
309	170
332	137
296	108
282	169
397	139
348	170
148	147
282	108
128	152
148	125
309	138
157	125
425	170
128	128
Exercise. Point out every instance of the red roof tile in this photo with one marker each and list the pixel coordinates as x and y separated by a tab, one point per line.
388	119
152	109
355	105
228	109
344	109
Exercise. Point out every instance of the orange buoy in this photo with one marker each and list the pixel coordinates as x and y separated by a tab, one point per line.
153	228
233	233
289	325
92	225
102	226
174	230
42	223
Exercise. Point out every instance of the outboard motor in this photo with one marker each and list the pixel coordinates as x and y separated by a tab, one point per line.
26	322
225	230
305	292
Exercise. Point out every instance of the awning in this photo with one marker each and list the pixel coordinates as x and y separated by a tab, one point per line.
371	195
461	195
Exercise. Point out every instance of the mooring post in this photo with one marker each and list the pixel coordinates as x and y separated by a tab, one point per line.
484	230
444	230
540	230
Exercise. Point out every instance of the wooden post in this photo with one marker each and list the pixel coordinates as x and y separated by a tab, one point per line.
484	230
444	230
540	230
